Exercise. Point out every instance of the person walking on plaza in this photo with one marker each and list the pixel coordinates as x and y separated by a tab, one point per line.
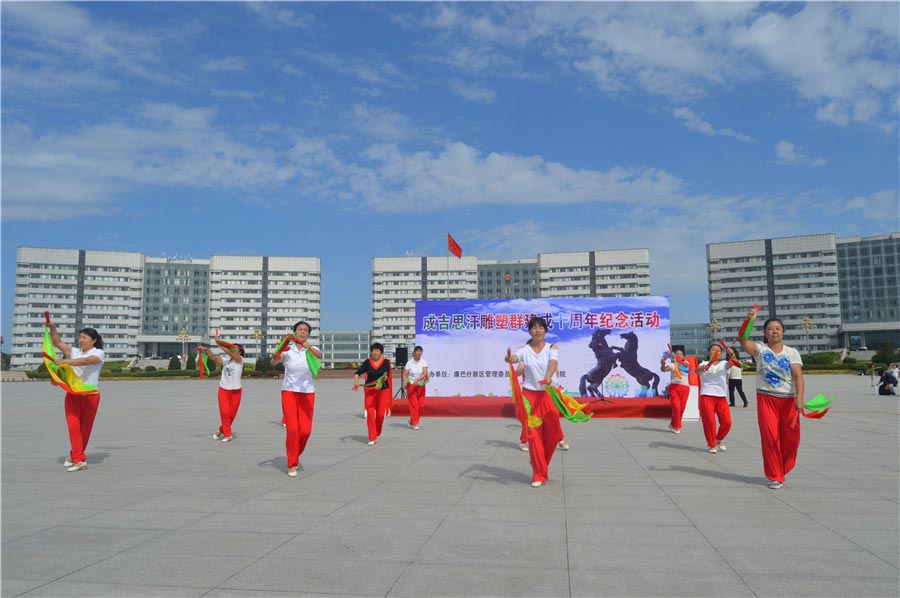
86	361
415	374
230	389
377	389
298	391
679	386
735	379
540	361
779	398
712	399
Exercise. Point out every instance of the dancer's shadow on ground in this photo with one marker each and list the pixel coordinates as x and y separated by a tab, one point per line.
498	475
354	438
647	429
502	444
710	473
92	458
672	445
279	463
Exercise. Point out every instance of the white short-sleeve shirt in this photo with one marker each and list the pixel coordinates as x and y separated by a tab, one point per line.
675	379
712	381
90	374
415	370
232	371
297	375
735	373
773	371
536	365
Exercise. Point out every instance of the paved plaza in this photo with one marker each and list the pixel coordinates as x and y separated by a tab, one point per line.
447	510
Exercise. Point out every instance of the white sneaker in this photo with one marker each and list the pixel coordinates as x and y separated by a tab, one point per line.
227	438
292	472
677	430
371	442
722	447
68	462
77	466
283	425
216	435
411	425
537	484
776	485
523	447
564	445
713	450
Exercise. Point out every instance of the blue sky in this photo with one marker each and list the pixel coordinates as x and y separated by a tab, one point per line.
349	131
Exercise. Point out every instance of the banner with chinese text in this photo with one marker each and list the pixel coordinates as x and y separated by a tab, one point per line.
608	347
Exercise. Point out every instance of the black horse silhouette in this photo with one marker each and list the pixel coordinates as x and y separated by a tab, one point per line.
591	383
628	360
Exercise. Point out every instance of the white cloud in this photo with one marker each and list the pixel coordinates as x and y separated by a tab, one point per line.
224	64
790	154
379	123
473	92
839	58
280	14
367	70
695	122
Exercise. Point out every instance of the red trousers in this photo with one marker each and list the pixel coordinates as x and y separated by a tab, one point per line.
376	404
298	415
415	394
678	396
542	440
229	401
710	408
779	434
80	413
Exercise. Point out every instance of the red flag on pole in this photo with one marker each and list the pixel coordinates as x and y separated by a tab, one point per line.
453	247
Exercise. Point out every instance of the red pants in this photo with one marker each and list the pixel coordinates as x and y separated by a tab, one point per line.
376	403
542	440
710	408
415	394
779	434
298	415
229	401
80	413
678	396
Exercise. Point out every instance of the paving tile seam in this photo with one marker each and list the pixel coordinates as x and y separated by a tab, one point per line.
693	524
450	510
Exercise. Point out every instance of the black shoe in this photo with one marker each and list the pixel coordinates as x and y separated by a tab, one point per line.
731	404
745	404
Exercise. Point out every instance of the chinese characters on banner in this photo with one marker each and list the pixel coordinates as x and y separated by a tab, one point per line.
465	342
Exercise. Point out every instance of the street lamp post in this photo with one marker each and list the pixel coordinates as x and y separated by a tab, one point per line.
807	324
184	337
714	328
257	336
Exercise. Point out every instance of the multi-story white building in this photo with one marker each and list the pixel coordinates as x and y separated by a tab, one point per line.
80	289
141	305
255	300
340	347
397	282
604	273
791	278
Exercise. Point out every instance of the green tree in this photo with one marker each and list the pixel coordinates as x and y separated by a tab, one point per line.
174	363
5	361
887	353
191	362
263	364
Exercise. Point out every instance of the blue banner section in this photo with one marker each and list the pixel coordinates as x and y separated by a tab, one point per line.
608	346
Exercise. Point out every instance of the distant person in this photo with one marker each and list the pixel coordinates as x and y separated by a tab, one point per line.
415	374
376	388
298	393
712	399
230	389
81	409
735	380
679	387
540	361
887	383
779	399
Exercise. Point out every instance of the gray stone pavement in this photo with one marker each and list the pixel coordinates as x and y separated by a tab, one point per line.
630	510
